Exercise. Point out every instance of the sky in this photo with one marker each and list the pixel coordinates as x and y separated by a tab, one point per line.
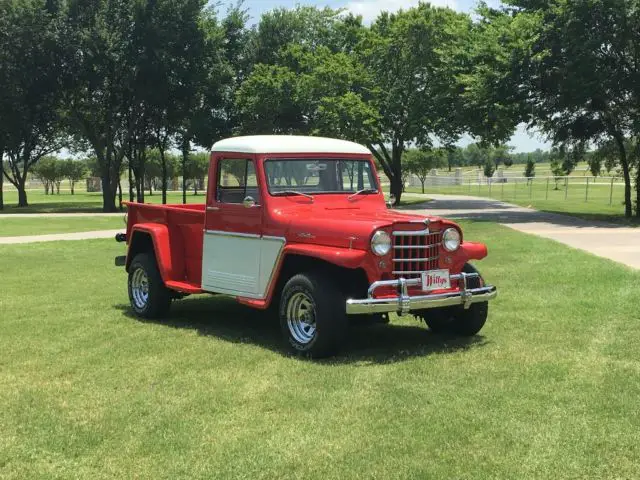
522	141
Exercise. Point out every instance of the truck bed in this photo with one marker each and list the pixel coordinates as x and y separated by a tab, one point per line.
185	224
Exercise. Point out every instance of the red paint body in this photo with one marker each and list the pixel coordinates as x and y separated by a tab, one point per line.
335	229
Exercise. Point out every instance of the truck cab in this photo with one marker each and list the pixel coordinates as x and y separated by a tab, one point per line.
299	226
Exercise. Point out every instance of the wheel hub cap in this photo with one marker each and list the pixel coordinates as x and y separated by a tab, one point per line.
140	288
301	318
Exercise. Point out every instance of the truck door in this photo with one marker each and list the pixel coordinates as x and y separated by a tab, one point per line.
233	229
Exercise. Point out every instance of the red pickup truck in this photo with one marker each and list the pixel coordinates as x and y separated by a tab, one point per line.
300	224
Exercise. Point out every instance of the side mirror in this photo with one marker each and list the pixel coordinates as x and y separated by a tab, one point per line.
391	200
248	202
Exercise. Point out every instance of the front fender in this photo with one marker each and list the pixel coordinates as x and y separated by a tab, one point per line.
159	236
342	257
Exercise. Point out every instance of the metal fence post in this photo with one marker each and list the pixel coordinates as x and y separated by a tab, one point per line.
546	196
566	187
586	192
611	192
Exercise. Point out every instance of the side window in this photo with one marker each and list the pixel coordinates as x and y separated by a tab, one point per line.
237	180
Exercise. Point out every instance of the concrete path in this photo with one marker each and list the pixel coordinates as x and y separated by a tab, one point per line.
608	240
61	236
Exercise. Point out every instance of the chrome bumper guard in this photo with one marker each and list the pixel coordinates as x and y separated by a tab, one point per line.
403	303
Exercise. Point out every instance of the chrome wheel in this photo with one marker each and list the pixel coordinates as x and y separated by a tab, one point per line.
301	318
140	288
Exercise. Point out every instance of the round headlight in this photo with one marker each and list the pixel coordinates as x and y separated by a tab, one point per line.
380	243
451	239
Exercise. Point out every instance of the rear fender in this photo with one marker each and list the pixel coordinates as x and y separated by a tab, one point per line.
155	236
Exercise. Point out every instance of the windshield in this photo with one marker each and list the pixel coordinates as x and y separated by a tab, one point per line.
319	175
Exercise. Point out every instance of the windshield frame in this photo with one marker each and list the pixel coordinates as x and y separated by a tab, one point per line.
374	174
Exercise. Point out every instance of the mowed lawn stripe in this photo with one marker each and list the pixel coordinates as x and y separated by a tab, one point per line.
14	227
549	390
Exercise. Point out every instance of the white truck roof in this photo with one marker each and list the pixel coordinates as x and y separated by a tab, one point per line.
287	144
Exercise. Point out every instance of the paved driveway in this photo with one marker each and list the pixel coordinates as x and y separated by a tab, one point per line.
608	240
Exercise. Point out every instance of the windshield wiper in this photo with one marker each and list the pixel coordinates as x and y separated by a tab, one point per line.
294	192
364	190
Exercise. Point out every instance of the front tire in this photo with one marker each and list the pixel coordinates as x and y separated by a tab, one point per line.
312	315
458	320
148	295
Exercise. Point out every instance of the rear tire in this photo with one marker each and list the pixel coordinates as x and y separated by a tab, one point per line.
458	320
148	295
313	315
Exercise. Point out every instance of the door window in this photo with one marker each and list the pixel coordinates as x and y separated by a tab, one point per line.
236	181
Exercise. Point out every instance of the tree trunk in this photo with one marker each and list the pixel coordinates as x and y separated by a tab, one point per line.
22	193
624	162
46	187
108	195
637	190
422	185
397	186
72	182
185	155
130	181
119	193
163	160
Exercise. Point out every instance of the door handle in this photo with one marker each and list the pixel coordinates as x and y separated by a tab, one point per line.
213	209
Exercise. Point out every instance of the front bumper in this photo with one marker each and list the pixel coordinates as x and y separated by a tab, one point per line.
403	303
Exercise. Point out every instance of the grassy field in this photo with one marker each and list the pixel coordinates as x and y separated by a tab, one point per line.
592	204
549	390
10	227
81	202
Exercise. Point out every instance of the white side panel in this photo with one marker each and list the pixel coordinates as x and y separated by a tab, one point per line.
239	265
270	252
230	264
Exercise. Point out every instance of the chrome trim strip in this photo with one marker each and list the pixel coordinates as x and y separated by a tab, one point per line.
415	247
407	272
231	234
410	233
399	260
213	209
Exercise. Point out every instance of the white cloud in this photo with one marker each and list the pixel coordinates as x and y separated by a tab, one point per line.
370	9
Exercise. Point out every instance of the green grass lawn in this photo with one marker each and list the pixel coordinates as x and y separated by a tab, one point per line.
549	390
10	227
592	204
81	202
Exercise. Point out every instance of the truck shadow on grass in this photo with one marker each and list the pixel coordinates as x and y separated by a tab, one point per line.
222	318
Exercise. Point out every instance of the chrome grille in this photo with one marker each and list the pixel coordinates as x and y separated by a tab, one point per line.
414	252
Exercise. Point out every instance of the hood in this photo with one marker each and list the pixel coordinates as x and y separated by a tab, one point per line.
341	227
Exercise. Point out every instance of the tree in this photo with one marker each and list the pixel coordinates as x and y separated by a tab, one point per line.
508	162
420	162
489	168
414	57
102	106
74	171
32	81
530	170
571	70
196	169
50	172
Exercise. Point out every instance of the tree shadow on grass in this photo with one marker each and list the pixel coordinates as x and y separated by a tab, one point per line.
223	318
